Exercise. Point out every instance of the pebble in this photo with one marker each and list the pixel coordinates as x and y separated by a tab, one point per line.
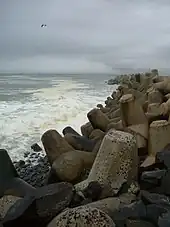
34	169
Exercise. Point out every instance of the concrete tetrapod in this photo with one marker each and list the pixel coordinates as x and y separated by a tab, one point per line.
155	96
134	118
163	86
98	119
165	107
116	161
54	145
158	136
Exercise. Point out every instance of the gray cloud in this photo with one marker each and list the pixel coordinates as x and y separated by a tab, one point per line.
91	35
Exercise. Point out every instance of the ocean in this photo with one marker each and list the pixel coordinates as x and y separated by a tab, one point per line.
30	104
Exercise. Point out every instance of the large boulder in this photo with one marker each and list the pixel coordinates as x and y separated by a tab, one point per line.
164	220
40	208
18	187
80	142
7	170
154	198
152	179
163	156
83	217
135	210
54	145
71	165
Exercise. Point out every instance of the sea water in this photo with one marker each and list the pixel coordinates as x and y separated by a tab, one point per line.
32	104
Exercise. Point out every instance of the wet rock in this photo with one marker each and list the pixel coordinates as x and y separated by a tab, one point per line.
40	208
154	198
163	156
21	163
17	187
83	217
93	190
136	210
153	177
70	130
7	170
26	154
35	147
98	119
154	211
80	142
138	223
54	145
148	163
77	200
164	220
165	184
52	177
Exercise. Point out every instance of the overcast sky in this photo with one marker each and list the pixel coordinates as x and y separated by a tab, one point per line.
84	35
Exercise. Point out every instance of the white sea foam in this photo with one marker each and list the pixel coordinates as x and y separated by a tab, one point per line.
67	103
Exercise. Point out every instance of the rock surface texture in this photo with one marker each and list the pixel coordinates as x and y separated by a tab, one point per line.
82	217
116	173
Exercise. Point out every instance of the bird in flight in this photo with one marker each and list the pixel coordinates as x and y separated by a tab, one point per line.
43	25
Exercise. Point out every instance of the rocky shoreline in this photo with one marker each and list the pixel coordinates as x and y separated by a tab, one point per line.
116	174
